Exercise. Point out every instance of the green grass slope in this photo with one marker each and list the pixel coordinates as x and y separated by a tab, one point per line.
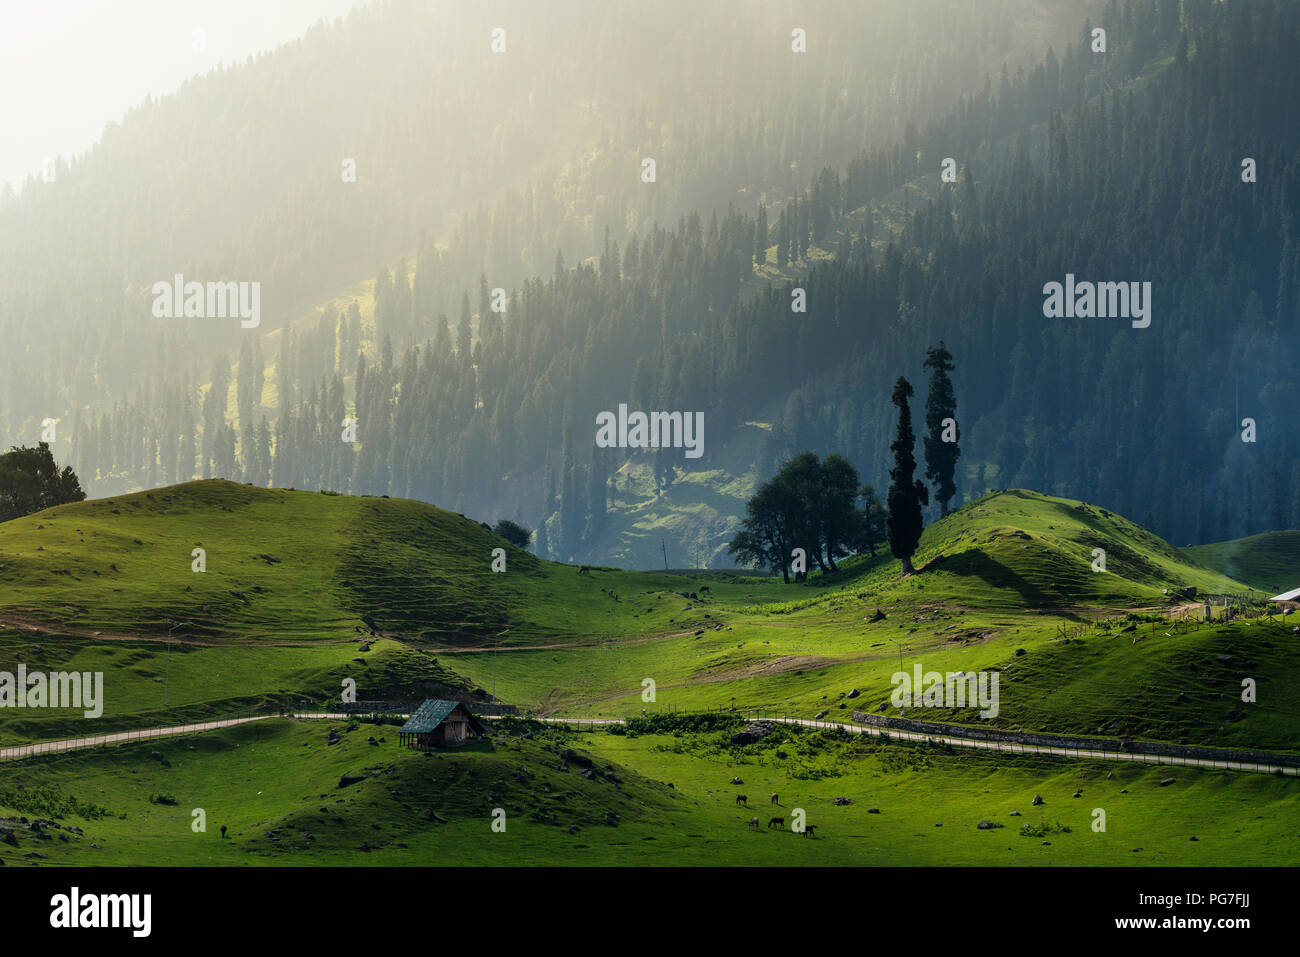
298	583
1006	579
1270	561
1038	551
286	566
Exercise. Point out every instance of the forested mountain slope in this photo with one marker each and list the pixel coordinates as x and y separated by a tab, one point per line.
480	161
1089	164
1115	181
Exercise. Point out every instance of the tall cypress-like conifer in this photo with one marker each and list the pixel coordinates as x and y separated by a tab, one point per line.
906	494
940	403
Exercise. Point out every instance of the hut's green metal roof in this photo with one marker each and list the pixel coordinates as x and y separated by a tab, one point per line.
428	716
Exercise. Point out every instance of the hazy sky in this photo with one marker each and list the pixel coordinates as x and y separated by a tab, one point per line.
68	67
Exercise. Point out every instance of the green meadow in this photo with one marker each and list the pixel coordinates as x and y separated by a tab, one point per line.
303	592
597	798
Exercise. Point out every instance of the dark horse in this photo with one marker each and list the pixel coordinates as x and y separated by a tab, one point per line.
742	799
776	822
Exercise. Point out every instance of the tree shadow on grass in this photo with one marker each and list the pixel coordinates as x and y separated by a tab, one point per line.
976	563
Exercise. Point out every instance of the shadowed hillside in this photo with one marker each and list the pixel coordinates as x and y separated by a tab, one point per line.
1270	561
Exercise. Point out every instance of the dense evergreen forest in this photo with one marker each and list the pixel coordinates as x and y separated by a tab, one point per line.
475	161
1122	165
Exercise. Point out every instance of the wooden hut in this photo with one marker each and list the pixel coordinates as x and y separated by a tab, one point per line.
439	724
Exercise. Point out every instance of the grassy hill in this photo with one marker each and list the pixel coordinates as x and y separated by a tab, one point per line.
300	591
1270	561
303	590
1007	578
282	566
293	566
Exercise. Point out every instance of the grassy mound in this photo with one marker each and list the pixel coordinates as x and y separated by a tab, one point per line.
1270	561
284	566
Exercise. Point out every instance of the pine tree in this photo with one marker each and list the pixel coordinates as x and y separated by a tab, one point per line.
188	449
940	404
871	521
465	332
906	494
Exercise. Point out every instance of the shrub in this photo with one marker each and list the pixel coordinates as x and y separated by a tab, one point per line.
679	723
1043	828
50	802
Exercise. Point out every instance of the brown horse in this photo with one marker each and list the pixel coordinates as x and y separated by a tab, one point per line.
776	822
742	799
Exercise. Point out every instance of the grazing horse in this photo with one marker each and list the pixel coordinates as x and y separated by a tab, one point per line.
742	799
753	823
808	829
776	822
774	800
584	570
